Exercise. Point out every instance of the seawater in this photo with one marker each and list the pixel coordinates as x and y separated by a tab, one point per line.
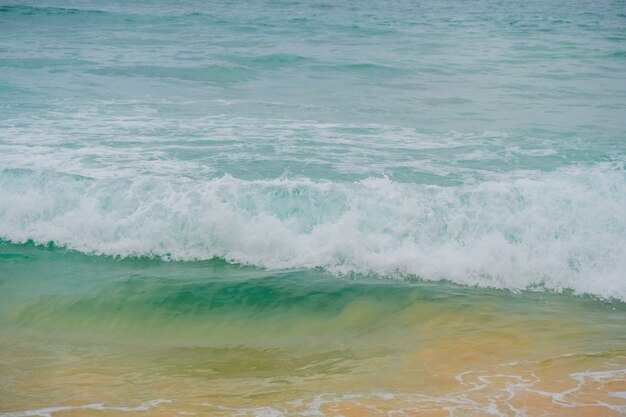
312	208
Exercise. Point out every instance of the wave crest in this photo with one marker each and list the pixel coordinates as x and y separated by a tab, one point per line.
565	229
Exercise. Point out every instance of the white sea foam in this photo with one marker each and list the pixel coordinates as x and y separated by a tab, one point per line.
559	230
50	411
502	391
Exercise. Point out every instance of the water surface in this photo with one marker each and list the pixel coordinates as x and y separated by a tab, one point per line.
312	208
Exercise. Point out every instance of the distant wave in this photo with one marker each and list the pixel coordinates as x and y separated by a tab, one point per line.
559	230
27	10
212	73
34	10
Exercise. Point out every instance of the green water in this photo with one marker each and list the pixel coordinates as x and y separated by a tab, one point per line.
242	337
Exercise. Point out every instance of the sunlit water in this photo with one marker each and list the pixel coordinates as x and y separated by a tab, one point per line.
316	208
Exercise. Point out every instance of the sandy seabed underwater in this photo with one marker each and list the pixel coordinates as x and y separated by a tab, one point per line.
312	208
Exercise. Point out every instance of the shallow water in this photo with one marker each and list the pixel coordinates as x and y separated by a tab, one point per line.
218	339
320	208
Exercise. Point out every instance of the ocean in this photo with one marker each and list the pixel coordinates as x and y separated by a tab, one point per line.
312	208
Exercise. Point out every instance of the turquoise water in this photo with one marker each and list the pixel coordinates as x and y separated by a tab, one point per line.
284	178
482	144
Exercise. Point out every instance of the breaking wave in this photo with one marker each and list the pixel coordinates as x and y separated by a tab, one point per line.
560	230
